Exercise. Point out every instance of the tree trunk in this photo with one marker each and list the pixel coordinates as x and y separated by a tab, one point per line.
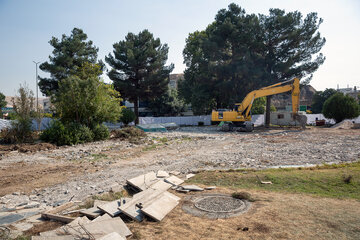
267	115
136	110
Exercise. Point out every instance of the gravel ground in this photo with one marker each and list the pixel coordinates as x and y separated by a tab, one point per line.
187	149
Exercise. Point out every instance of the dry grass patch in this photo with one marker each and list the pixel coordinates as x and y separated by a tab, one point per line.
273	216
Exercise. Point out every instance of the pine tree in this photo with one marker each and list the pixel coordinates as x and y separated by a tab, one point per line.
138	68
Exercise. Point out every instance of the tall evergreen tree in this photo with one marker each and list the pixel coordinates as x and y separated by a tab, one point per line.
240	52
68	56
138	68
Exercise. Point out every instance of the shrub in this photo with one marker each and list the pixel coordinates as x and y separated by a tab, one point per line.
340	107
101	132
69	134
22	129
128	116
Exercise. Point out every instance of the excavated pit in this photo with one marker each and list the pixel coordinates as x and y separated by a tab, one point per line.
214	205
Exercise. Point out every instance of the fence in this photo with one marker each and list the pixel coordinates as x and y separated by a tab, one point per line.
187	121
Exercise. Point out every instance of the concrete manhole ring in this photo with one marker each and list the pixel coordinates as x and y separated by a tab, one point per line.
214	205
219	204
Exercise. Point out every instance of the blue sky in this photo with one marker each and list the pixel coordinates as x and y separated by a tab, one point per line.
27	26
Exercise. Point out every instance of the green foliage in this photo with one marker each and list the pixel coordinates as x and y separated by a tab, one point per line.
340	107
138	68
168	104
319	98
101	132
127	116
258	106
86	100
240	52
68	134
2	103
69	55
23	105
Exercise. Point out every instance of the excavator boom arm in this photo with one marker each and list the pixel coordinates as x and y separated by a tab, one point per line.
292	85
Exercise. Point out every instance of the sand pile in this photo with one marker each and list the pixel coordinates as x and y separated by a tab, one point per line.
345	124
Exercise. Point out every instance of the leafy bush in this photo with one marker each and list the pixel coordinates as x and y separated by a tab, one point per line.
340	107
101	132
128	116
69	134
21	128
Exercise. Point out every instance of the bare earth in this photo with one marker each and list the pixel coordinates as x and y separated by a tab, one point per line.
76	172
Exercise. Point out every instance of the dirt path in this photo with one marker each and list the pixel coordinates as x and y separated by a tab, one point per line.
76	172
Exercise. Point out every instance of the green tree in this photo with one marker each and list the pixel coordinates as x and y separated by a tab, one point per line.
138	68
86	100
240	52
168	104
23	105
127	116
340	107
3	103
68	56
319	98
258	106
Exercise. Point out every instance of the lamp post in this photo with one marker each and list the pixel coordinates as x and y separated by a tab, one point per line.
37	97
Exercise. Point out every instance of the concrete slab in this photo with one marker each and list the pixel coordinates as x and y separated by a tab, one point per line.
132	208
10	218
142	182
192	188
159	207
93	212
62	237
162	174
112	236
160	185
111	208
174	173
190	175
210	188
102	228
103	217
22	226
173	180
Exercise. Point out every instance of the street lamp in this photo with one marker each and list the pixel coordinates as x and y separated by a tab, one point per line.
37	97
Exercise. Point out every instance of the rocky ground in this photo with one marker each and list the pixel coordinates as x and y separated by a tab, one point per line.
54	176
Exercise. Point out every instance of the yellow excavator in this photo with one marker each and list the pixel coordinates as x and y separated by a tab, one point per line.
240	117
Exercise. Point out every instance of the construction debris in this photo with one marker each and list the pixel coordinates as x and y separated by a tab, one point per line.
153	201
263	182
190	175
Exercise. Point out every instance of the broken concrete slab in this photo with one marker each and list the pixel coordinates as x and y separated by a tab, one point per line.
162	174
102	228
160	185
10	218
112	236
103	217
111	208
23	226
190	175
62	237
142	182
174	173
159	207
173	180
210	188
93	212
192	188
132	208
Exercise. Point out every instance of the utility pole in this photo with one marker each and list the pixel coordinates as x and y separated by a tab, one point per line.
37	96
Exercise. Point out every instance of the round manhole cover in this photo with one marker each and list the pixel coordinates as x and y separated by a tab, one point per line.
214	205
220	204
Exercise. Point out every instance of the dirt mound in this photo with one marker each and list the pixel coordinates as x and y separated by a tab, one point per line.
26	147
346	124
